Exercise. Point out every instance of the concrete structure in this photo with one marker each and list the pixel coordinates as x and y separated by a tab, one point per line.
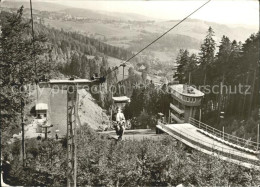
186	101
41	110
204	138
71	86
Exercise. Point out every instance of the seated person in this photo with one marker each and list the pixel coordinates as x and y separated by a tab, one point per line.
120	127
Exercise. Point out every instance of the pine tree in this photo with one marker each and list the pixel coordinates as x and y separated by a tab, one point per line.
18	57
191	66
182	61
84	67
131	72
22	59
75	65
144	75
207	50
104	66
224	48
222	61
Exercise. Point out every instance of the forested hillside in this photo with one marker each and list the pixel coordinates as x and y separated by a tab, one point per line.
229	76
101	161
167	43
80	55
56	51
231	64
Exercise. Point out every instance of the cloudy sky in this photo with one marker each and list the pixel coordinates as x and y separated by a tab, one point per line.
244	12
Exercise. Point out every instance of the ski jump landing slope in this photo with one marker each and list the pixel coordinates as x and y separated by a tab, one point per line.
192	137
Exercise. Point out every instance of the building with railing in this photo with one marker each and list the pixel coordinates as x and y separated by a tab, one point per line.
185	103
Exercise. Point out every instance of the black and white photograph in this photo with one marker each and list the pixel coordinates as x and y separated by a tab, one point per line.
130	93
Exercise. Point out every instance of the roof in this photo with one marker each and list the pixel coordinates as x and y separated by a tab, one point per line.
180	89
41	106
121	99
142	67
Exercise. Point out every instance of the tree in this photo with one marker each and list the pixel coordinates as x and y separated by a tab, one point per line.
84	68
22	60
75	65
224	48
144	75
182	62
207	52
104	66
131	72
18	56
191	66
207	49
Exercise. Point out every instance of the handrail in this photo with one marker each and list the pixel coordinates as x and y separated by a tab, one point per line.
231	138
219	133
222	132
233	150
232	153
184	98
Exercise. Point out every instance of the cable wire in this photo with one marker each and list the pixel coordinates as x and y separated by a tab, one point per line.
33	53
159	37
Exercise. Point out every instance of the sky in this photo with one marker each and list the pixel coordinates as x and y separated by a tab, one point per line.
239	12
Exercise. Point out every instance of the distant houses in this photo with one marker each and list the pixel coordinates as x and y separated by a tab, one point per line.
142	68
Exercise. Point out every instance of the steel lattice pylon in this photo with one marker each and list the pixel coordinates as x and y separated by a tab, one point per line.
72	98
71	86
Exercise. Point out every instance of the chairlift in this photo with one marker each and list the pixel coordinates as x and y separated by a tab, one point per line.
120	102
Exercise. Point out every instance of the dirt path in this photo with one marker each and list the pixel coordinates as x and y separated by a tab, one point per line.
137	134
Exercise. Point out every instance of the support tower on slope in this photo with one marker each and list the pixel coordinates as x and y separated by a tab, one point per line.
186	101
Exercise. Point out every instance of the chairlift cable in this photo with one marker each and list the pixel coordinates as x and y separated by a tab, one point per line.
33	53
159	37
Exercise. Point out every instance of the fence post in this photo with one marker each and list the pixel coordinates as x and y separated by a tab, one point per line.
223	132
200	118
257	143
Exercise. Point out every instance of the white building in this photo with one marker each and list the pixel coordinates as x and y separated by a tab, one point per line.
185	103
41	110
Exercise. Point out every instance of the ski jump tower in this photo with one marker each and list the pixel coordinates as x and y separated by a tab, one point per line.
186	102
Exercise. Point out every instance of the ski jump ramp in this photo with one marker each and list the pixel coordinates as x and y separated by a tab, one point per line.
211	144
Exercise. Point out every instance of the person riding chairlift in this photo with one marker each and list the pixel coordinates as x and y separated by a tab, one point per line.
120	123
